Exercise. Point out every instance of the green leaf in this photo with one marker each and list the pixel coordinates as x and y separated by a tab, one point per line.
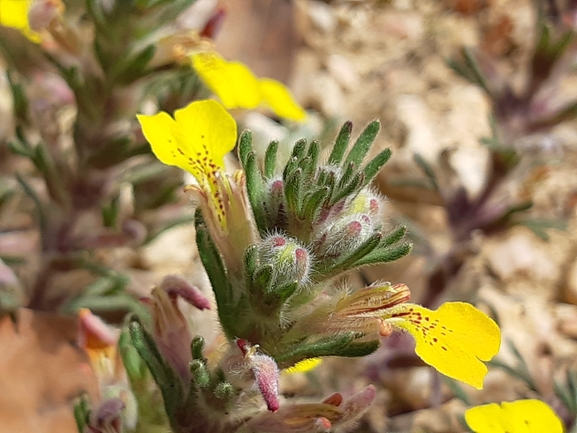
351	260
134	68
32	194
289	169
200	374
393	237
476	74
293	191
363	143
427	169
355	350
373	167
197	347
351	189
341	144
17	147
164	376
244	146
131	360
299	149
262	279
313	154
313	203
212	262
386	255
324	347
270	159
255	188
82	413
110	212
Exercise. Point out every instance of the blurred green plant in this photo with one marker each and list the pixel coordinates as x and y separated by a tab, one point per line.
90	179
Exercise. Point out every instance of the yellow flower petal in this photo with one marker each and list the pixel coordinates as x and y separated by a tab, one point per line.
455	339
304	365
196	140
278	98
522	416
234	83
14	13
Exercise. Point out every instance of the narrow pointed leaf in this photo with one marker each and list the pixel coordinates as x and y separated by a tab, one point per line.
386	255
355	350
373	167
216	272
244	146
299	149
323	347
363	143
255	188
345	264
341	144
314	203
393	237
270	159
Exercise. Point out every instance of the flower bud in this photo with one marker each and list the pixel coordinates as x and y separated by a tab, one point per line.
367	202
266	373
342	236
176	286
99	341
290	261
171	331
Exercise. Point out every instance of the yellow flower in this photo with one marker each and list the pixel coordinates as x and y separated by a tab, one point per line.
237	87
14	13
304	366
455	339
196	140
521	416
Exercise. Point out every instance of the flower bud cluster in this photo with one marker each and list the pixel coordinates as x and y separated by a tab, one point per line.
291	261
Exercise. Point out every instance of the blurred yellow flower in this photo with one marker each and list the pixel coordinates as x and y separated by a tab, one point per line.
14	13
521	416
196	140
455	339
304	366
237	87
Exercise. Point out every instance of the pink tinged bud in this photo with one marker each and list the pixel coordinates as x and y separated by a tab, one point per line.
342	236
265	371
176	286
367	202
290	260
266	374
171	332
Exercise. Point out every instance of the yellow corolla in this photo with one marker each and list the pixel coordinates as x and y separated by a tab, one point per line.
521	416
304	366
455	339
14	13
196	140
237	87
